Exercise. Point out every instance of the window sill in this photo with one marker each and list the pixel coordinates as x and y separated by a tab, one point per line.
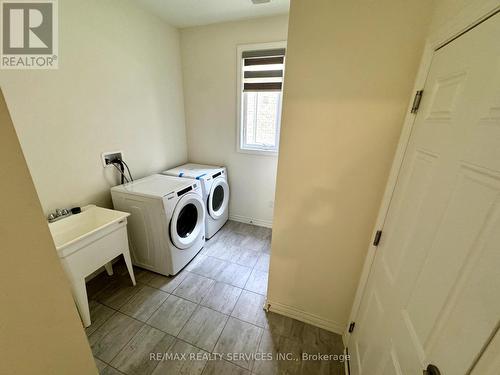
250	151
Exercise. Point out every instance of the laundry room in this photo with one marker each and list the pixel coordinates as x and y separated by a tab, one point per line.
156	174
249	187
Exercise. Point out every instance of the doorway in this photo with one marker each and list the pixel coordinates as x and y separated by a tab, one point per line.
431	295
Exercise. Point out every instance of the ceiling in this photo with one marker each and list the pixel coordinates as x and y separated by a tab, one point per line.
185	13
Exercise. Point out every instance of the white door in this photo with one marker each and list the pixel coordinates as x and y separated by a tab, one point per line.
489	362
433	295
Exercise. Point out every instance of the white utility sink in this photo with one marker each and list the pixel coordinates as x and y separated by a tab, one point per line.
87	241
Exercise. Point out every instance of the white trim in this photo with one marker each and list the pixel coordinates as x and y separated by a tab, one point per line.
239	114
305	317
257	152
251	220
346	362
468	18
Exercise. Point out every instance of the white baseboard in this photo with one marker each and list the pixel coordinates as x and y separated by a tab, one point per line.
251	220
306	317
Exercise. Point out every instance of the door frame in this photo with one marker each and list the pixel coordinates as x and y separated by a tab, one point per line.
469	17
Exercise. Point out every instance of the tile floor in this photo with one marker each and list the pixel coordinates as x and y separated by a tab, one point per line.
213	306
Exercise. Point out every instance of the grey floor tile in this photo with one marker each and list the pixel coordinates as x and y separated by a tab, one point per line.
221	367
239	337
194	287
267	249
167	283
233	238
97	284
229	258
285	326
215	238
253	231
222	297
319	367
253	243
195	261
108	370
119	292
98	315
332	340
316	339
263	262
192	364
257	282
204	328
262	232
142	275
286	354
113	335
243	257
134	358
340	368
250	308
221	250
144	303
203	250
312	339
231	225
172	315
120	268
234	274
210	267
243	229
227	228
99	364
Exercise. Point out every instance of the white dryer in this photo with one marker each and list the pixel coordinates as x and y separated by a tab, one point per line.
215	192
167	221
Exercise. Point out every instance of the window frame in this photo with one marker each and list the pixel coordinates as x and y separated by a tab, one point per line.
241	128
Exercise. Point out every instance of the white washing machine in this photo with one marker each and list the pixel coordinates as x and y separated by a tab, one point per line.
215	192
167	222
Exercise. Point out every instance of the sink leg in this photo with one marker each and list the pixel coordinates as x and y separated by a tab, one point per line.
109	268
128	262
80	296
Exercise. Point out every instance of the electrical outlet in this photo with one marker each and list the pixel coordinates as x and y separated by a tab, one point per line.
108	157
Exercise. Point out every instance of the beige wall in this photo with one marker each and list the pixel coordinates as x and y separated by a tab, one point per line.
209	69
40	330
350	69
118	87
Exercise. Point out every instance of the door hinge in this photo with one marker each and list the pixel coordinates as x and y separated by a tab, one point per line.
376	240
351	327
416	101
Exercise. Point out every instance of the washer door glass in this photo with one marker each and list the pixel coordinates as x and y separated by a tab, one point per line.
218	198
187	221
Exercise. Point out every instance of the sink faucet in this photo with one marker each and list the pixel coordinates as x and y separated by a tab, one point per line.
60	213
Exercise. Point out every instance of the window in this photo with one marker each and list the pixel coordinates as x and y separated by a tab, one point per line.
260	74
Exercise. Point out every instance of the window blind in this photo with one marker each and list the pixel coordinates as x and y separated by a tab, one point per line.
263	70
